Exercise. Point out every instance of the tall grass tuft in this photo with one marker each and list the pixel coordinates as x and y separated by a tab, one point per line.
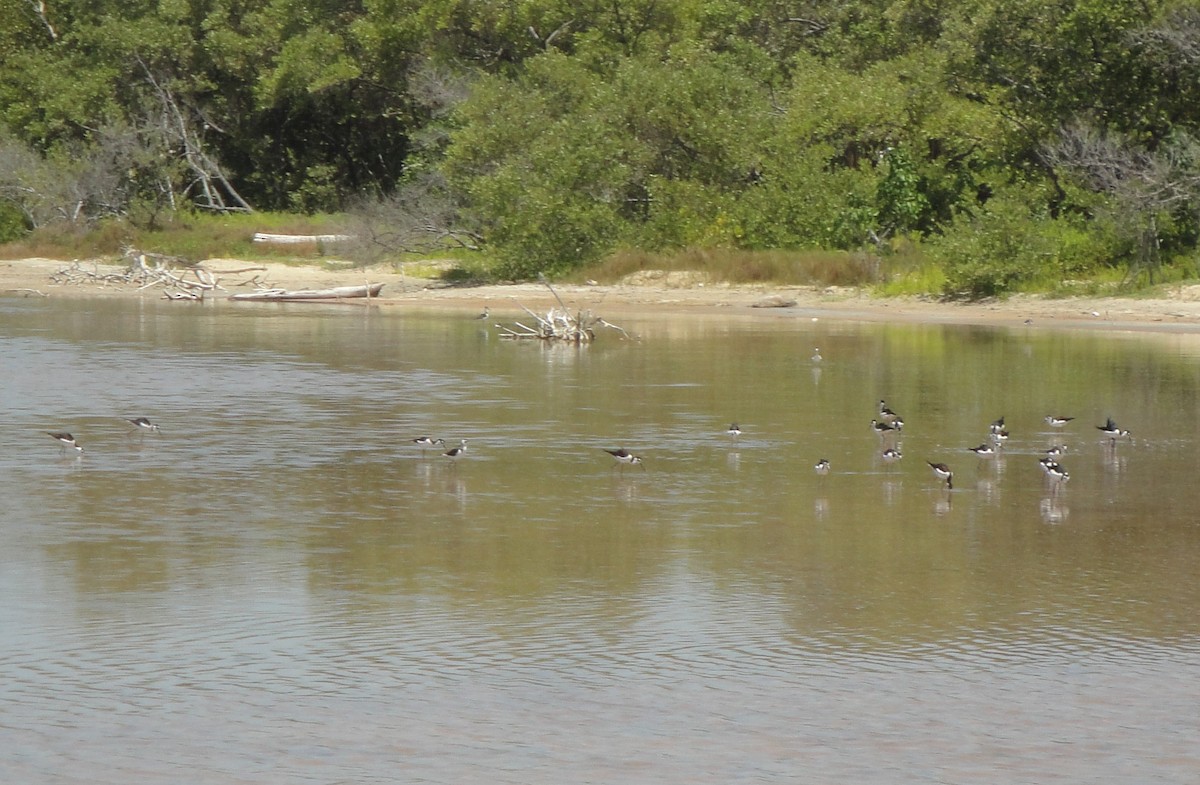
189	235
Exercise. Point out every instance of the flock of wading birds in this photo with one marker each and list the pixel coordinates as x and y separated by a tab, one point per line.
887	425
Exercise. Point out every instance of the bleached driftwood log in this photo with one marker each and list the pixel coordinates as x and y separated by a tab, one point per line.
297	239
334	293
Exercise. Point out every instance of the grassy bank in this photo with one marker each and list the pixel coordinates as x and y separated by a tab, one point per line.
199	236
190	236
904	269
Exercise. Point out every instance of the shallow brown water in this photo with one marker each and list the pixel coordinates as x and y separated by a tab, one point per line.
279	587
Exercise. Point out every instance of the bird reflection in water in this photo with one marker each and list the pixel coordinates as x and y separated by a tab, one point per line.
1053	510
942	504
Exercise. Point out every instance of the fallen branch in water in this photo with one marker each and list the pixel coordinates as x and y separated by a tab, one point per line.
558	324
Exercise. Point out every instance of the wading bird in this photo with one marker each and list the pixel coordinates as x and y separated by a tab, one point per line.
625	458
64	440
942	472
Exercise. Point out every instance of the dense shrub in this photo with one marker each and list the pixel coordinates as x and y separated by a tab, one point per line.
12	223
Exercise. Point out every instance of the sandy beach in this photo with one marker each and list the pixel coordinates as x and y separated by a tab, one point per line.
1176	310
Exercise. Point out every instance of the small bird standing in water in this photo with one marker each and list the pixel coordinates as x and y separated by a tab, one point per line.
64	440
822	467
1111	430
1054	472
886	414
942	472
425	442
882	428
734	431
457	452
625	458
485	314
142	424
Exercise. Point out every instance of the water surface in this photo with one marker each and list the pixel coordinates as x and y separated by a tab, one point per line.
280	587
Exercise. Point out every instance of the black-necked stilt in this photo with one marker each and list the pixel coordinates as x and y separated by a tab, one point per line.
1057	473
425	442
822	467
886	414
984	450
733	430
999	437
1057	422
64	440
816	357
997	425
142	424
457	452
1056	451
1111	430
891	455
942	472
625	458
882	428
484	314
1054	471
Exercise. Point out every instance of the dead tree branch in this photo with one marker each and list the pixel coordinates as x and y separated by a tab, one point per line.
39	10
180	279
177	126
558	324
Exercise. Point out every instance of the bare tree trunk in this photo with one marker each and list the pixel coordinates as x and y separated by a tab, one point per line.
39	10
207	173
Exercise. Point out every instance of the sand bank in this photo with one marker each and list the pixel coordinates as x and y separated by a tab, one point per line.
1177	310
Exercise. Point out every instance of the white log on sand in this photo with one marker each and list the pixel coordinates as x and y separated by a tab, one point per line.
335	293
296	239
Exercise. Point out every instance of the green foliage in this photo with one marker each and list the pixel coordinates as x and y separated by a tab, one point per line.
12	223
1010	245
902	204
569	163
567	130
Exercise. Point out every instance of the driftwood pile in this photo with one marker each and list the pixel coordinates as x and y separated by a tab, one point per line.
180	279
558	324
185	280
